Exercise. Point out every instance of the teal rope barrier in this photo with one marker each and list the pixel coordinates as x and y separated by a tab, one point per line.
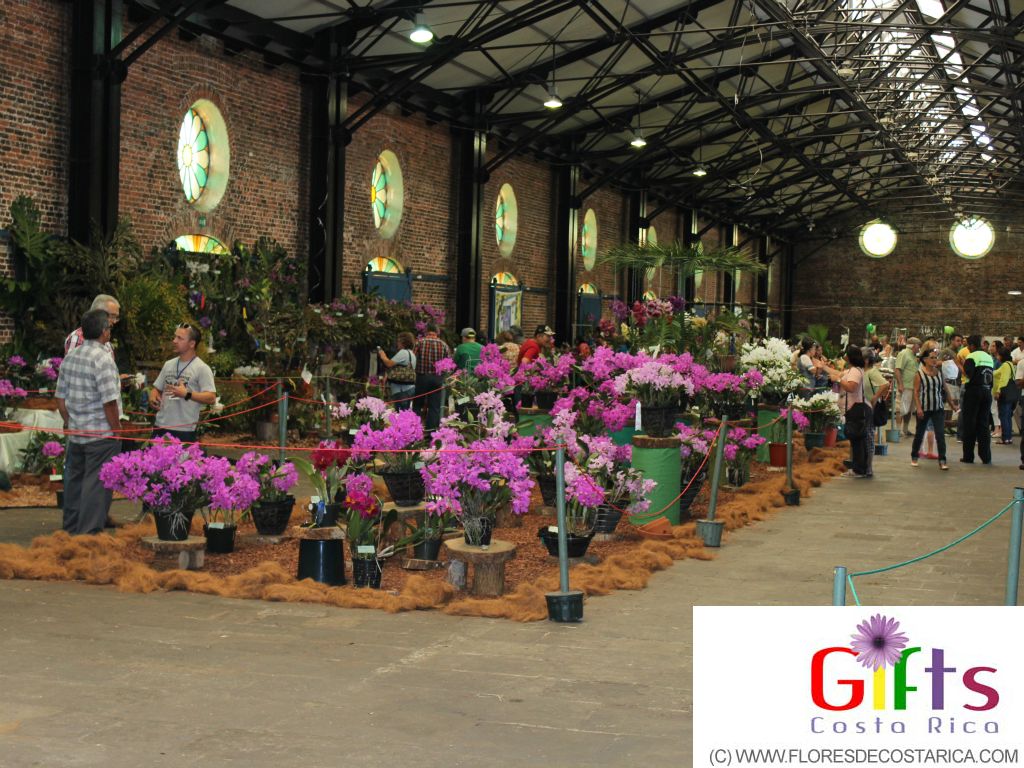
849	577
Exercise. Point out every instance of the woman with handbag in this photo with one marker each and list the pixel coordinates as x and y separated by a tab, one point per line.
1006	394
851	385
401	371
929	405
876	390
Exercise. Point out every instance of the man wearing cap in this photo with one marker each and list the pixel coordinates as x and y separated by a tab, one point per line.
543	339
467	354
905	373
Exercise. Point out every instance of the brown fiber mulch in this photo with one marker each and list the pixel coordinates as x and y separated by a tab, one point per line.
267	571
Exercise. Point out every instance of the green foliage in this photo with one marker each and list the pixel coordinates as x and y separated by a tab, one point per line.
685	260
150	309
819	333
33	462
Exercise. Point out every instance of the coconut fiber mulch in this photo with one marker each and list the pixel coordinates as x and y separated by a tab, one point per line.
267	571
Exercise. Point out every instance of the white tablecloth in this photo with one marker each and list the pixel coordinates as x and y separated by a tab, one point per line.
13	443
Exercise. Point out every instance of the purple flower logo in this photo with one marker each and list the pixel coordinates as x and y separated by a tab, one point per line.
878	643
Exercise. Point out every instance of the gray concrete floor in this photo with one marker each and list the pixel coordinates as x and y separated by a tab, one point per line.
90	677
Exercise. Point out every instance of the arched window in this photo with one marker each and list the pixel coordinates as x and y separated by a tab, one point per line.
199	244
504	278
387	194
648	295
385	265
588	289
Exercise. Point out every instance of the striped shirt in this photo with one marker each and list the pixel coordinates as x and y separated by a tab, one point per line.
930	394
88	379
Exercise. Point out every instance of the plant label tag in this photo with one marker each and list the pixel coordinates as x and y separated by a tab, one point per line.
419	465
366	549
462	401
314	500
307	375
215	525
56	478
353	431
552	529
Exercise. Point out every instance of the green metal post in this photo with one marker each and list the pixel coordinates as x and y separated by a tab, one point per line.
839	585
1013	564
789	444
282	419
715	478
563	542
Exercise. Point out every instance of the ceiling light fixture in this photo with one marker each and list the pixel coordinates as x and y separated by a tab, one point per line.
1014	293
638	142
421	34
552	101
846	71
700	170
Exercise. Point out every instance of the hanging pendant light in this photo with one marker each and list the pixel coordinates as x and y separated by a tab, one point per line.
421	34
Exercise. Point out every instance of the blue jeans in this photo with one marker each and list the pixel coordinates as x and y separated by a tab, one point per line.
938	421
1006	419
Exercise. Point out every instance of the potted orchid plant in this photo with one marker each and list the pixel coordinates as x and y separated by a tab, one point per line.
326	469
167	477
272	511
232	492
662	385
695	444
738	451
365	526
394	446
471	475
625	489
583	496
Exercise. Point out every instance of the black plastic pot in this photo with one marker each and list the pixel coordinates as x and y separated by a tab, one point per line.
606	519
60	499
322	561
547	485
366	572
792	497
428	549
545	400
220	540
271	517
577	545
478	531
565	606
329	516
658	421
166	530
526	400
406	488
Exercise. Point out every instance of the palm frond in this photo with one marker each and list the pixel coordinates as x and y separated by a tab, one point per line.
683	259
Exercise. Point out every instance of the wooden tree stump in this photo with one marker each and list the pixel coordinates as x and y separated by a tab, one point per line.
187	555
488	564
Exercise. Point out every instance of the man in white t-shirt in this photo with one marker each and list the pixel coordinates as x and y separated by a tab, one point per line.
1017	354
185	384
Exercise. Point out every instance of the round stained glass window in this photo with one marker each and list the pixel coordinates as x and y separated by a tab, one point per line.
387	194
588	239
203	155
506	220
877	239
972	238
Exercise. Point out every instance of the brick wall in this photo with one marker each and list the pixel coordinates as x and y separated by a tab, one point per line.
921	283
34	115
265	114
425	239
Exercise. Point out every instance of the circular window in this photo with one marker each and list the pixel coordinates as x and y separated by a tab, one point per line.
386	194
877	239
506	220
972	238
199	244
588	239
652	236
204	156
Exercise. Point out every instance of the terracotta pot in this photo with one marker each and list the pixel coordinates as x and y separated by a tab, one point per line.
831	433
777	454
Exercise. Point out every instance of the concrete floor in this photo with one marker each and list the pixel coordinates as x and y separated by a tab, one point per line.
90	677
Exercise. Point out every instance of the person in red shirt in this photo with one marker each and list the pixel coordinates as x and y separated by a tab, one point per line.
543	339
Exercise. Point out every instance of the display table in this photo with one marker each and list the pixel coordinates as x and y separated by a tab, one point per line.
13	443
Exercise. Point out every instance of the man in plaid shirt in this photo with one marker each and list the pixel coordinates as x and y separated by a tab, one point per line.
88	395
430	386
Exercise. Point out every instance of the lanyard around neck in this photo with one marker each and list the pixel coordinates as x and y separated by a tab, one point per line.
177	372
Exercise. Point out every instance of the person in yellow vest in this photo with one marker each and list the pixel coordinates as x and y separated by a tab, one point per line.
976	401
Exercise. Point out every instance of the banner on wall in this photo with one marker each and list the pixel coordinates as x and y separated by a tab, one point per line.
394	287
506	308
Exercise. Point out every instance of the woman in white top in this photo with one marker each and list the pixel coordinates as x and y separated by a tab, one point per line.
851	389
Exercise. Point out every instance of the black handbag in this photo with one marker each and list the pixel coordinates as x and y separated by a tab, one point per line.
880	413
